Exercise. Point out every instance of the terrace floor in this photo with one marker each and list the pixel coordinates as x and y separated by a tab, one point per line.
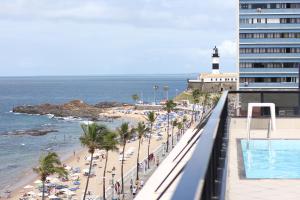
239	188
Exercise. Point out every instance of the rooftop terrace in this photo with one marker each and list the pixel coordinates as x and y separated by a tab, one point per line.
212	164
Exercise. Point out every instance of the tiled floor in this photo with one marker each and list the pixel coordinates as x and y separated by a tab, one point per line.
239	188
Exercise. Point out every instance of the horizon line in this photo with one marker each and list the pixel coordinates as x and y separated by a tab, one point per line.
90	75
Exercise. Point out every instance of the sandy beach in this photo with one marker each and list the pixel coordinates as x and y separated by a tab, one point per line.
78	160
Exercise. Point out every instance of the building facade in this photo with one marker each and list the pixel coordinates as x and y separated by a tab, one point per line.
269	44
214	81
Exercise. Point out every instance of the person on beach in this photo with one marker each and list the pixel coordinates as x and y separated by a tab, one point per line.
134	189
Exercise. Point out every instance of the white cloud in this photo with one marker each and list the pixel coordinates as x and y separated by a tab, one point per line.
228	48
188	14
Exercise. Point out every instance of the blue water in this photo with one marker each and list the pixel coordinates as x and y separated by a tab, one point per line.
272	159
19	154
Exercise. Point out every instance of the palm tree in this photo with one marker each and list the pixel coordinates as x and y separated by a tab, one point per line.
151	119
184	120
49	164
205	101
91	139
195	94
125	135
141	130
135	97
174	124
166	89
180	128
108	143
169	107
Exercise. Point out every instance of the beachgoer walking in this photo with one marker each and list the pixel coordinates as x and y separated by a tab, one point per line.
134	189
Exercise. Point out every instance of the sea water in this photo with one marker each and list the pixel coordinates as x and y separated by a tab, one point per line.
18	154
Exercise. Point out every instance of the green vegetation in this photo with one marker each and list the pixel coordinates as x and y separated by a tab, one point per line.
150	119
109	142
135	97
49	164
90	139
141	130
169	107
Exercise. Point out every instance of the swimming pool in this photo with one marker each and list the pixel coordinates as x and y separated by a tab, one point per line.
271	159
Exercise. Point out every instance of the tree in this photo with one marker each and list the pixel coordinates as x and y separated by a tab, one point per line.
91	139
141	130
151	119
109	142
205	102
174	124
125	134
195	95
135	97
184	120
180	128
169	107
166	89
49	164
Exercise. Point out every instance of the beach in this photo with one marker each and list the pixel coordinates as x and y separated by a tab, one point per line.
79	160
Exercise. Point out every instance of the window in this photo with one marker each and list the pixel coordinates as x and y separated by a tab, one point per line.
258	20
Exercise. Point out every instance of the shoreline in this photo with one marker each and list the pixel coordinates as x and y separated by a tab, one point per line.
28	177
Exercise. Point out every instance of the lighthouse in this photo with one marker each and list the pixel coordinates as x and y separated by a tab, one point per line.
215	61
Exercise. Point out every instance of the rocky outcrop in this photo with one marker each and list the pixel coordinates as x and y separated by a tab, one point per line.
75	108
32	132
108	104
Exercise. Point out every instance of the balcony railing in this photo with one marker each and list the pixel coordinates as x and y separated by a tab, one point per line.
269	26
287	12
268	85
204	176
270	70
270	42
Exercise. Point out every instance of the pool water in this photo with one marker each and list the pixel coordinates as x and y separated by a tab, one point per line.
271	159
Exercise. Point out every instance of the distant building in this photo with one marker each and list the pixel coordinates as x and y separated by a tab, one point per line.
269	44
214	81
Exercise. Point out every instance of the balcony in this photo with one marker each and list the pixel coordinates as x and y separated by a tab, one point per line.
270	42
216	168
269	26
281	85
270	57
264	12
269	70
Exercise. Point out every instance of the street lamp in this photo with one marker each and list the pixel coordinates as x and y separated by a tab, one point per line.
113	173
155	88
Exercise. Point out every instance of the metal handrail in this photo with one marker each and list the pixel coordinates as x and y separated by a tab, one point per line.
199	171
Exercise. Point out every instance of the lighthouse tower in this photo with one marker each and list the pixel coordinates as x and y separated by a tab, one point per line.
215	61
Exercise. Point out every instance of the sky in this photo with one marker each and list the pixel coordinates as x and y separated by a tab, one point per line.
95	37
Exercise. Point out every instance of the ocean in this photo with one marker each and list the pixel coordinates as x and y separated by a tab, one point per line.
18	154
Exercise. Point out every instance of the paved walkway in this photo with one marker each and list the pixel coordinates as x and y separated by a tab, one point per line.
239	188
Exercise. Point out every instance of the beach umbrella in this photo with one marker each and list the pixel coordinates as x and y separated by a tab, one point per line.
31	193
41	194
28	187
76	183
38	182
55	180
53	197
68	168
75	174
69	193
